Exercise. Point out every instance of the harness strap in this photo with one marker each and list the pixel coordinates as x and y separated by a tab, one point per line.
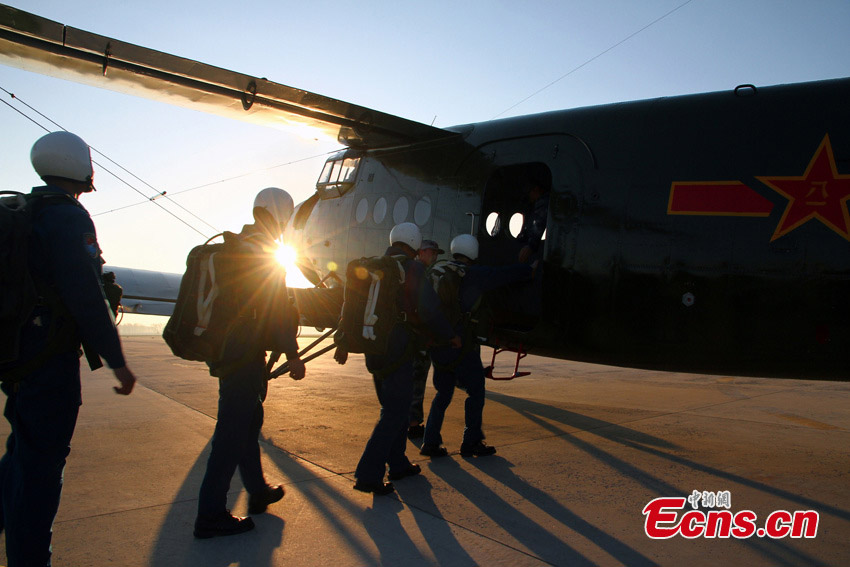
369	317
205	300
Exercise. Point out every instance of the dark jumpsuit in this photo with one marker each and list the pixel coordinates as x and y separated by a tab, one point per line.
534	223
266	320
452	366
42	409
387	443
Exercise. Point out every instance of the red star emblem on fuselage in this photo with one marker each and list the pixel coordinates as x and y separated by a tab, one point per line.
820	193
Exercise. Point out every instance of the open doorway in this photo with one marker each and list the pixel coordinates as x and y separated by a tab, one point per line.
514	212
513	229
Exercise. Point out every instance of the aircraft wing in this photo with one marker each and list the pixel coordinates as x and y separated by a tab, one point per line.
145	291
33	43
148	292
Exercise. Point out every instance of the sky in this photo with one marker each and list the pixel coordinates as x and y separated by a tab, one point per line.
440	62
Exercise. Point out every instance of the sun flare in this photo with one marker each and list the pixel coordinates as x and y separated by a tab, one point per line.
286	256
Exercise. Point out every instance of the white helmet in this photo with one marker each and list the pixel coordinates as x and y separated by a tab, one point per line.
465	244
408	233
277	202
62	154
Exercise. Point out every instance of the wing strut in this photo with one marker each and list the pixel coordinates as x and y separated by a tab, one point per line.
284	368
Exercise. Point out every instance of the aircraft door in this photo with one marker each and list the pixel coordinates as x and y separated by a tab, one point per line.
514	213
529	211
513	228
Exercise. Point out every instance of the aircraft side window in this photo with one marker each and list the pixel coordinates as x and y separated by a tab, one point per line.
380	211
400	210
335	173
326	172
349	166
422	211
362	210
515	224
493	224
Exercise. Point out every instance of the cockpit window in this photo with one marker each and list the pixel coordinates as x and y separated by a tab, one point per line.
349	166
326	172
338	176
335	173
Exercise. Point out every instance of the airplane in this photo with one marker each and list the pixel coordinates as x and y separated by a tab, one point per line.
701	233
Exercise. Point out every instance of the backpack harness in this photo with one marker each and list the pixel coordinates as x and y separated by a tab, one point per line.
370	308
22	292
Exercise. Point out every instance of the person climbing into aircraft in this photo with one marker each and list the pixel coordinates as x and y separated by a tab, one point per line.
42	383
419	304
534	220
464	367
263	319
427	254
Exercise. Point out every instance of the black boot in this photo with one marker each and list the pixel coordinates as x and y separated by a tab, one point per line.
379	488
479	449
411	470
434	451
223	524
257	503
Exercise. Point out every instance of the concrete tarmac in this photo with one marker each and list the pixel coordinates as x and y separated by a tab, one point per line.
582	449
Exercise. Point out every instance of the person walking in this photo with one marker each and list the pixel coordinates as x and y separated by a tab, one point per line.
264	319
42	384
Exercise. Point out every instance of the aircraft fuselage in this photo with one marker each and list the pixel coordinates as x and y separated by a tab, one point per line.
704	233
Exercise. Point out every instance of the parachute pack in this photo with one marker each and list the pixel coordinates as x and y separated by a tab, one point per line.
18	291
445	276
192	332
227	288
370	303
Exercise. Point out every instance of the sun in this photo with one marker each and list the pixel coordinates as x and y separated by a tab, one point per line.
286	256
